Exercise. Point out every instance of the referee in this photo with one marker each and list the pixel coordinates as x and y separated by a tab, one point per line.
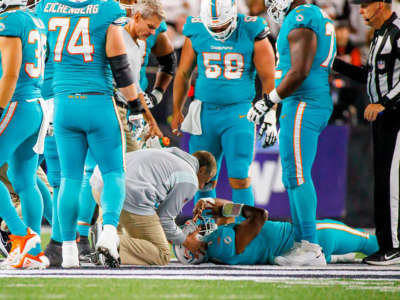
382	76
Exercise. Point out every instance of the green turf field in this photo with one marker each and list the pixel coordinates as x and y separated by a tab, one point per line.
45	288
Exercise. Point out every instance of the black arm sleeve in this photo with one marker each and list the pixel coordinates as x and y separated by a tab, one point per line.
359	74
167	63
121	70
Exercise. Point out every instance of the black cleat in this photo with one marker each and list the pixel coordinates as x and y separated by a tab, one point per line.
53	252
107	259
5	244
384	257
84	248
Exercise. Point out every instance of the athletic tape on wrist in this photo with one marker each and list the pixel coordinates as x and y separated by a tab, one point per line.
274	97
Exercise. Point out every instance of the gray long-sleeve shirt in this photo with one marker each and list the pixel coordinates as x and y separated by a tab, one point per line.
159	181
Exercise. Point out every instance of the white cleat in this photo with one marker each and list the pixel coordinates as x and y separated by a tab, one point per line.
70	255
302	254
20	246
347	258
30	262
108	244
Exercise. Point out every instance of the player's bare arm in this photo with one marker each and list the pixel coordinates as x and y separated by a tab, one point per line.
164	50
303	45
264	61
11	59
115	47
181	83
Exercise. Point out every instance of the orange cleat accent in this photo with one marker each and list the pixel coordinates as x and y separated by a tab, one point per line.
29	261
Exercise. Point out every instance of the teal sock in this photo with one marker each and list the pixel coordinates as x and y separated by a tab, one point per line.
244	196
68	207
87	205
32	207
47	202
55	225
113	197
9	214
303	205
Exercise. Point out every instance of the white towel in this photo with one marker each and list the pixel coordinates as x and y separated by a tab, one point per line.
39	147
192	123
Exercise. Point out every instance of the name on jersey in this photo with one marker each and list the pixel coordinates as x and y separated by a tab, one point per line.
221	48
55	7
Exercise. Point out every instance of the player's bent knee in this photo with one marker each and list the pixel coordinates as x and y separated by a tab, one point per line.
240	183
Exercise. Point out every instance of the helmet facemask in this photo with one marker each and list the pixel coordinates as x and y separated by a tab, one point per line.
4	4
278	9
219	17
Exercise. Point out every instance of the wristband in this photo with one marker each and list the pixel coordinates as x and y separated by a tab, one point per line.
274	97
232	209
135	107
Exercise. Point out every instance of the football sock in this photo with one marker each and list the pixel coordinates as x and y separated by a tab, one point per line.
113	197
303	206
55	225
244	196
87	206
47	202
68	207
9	214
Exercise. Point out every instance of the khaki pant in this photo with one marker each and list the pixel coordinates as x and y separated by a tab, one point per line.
131	145
144	241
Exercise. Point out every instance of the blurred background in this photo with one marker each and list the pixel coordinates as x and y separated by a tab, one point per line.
342	172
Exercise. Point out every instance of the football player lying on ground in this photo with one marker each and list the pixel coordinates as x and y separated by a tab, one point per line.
158	184
258	241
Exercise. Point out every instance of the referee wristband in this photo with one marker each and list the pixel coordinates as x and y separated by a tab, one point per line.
274	97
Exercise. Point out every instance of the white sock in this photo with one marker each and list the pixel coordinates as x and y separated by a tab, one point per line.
110	228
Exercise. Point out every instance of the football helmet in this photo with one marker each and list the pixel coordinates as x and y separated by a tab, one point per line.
278	9
219	17
4	4
184	255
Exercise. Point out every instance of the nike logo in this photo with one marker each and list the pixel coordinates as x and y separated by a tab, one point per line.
283	116
389	257
242	116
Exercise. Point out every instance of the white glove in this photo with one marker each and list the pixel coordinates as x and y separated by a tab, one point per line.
268	127
259	109
153	98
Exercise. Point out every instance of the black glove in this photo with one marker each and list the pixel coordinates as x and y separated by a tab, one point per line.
1	112
135	107
259	109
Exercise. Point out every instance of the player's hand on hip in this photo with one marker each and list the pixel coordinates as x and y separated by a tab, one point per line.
177	119
259	109
268	127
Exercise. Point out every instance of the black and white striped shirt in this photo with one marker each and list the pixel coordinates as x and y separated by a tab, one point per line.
383	85
382	73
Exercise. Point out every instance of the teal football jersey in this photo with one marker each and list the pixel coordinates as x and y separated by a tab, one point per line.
47	87
31	31
274	239
150	42
226	72
77	40
315	88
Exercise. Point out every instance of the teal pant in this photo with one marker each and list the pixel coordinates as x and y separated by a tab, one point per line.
337	238
226	132
83	122
19	127
301	124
